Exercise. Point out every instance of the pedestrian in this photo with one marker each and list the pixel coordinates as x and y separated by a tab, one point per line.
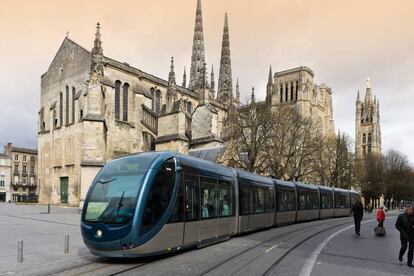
404	224
380	216
358	211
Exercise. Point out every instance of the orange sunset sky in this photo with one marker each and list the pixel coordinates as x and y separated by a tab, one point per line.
343	42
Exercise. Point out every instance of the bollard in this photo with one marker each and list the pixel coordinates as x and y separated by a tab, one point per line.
20	251
48	208
66	244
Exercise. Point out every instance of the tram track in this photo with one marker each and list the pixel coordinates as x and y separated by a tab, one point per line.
272	240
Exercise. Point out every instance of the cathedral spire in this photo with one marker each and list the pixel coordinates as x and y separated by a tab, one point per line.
212	81
237	91
269	87
358	97
97	57
171	89
253	97
225	83
97	44
368	94
198	55
270	80
171	75
184	79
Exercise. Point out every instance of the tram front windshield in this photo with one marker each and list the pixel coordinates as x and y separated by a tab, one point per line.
113	196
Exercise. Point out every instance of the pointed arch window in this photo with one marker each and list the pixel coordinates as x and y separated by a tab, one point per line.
61	109
291	92
364	138
67	105
296	91
73	104
125	90
281	94
286	93
117	99
369	138
156	100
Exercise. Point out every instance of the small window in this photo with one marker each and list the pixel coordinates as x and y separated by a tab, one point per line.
326	200
16	168
286	200
16	157
313	201
259	200
24	168
208	198
225	198
24	180
32	169
117	100
303	199
24	158
1	183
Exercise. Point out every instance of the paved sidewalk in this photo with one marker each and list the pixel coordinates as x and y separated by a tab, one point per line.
43	236
347	254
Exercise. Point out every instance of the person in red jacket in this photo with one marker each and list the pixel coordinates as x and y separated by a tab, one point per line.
380	216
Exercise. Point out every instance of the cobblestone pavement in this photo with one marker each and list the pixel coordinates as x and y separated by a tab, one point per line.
43	236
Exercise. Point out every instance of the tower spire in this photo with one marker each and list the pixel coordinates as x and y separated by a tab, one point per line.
184	79
171	75
358	97
198	55
237	92
368	94
212	81
253	97
97	57
269	87
171	89
225	84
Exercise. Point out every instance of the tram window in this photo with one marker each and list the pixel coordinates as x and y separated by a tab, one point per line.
208	198
191	197
177	212
269	200
159	195
286	200
225	199
303	201
340	201
244	199
326	201
259	199
313	201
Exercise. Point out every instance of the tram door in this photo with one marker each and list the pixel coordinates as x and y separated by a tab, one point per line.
208	225
64	190
191	208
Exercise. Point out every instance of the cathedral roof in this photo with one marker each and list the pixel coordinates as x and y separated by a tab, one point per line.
209	154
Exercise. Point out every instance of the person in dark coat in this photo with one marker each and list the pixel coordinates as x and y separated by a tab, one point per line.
404	224
358	211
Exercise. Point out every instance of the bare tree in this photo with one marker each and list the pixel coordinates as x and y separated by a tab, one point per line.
248	130
335	163
398	177
369	172
294	143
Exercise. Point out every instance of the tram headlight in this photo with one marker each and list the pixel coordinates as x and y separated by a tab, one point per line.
98	233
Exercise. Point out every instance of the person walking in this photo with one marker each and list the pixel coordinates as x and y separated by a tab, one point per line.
358	211
404	224
380	217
